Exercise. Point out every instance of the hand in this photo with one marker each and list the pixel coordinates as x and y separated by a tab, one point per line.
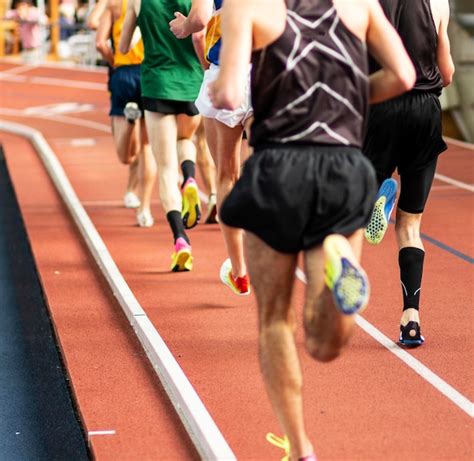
178	26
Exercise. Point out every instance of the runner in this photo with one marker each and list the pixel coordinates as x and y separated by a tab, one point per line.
307	187
130	138
171	77
224	131
405	133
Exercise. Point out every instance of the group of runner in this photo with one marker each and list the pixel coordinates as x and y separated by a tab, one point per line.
297	70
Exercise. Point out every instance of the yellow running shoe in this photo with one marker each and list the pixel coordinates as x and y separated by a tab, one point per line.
344	276
280	442
191	212
283	442
182	259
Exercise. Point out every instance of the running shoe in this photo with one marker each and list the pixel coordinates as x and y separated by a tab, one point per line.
211	215
132	112
130	200
181	259
191	212
284	443
240	285
344	276
145	219
384	203
409	340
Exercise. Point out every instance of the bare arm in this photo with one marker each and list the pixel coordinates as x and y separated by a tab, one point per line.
443	53
93	19
199	16
102	37
397	74
227	91
199	43
129	24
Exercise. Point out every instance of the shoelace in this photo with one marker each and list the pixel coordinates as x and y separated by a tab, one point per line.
280	442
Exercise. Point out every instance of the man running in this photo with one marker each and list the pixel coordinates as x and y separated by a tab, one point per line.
224	130
307	187
130	138
171	76
405	133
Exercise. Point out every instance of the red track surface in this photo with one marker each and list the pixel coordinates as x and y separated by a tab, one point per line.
368	405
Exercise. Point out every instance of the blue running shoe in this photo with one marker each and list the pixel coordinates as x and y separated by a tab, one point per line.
344	276
383	208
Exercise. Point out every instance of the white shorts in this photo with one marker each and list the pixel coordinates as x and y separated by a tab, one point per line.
231	118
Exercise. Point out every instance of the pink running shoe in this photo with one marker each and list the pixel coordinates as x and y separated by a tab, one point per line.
181	259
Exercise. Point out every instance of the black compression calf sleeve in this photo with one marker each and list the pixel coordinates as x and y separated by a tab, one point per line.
188	169
176	224
410	260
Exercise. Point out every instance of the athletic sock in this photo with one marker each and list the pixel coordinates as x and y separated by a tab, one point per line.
176	223
188	168
410	260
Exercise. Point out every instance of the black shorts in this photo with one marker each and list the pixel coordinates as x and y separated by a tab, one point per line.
293	196
124	87
415	188
404	133
169	106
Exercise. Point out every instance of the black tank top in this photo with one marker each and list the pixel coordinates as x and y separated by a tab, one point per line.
414	22
310	85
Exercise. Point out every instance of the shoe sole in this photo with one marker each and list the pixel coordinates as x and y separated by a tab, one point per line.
411	342
182	262
379	220
191	207
344	276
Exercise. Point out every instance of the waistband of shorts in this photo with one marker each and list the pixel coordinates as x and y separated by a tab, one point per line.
305	146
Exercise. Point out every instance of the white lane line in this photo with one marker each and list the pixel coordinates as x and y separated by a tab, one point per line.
15	70
58	118
13	78
71	66
454	182
68	83
438	383
201	428
94	433
51	81
440	188
111	203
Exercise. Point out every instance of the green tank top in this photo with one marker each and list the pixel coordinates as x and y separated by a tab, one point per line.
171	69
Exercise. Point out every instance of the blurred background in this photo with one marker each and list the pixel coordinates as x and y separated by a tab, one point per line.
64	36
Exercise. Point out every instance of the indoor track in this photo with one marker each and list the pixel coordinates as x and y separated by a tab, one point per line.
376	402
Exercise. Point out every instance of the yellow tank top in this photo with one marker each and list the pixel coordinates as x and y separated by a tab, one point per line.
136	53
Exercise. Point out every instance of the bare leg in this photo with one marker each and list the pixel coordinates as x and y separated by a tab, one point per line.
407	229
162	131
205	162
272	274
127	145
327	330
126	138
133	175
148	170
187	127
224	144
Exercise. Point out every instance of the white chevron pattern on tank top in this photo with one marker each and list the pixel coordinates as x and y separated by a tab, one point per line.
299	53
